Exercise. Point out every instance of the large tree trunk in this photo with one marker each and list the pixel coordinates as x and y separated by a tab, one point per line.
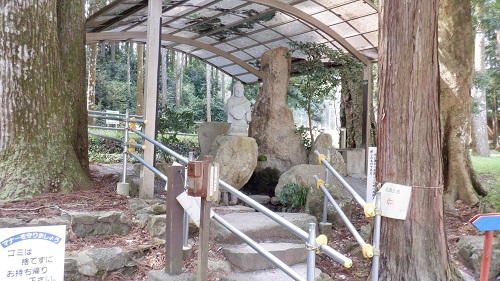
164	76
351	111
92	80
479	130
43	139
409	146
179	70
209	92
140	80
456	72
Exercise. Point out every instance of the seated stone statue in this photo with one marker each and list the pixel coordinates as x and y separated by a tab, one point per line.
238	112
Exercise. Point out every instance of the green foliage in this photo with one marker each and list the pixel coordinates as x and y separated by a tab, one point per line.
170	123
320	72
262	158
294	196
304	132
489	167
102	150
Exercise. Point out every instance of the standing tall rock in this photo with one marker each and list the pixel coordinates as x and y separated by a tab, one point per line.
272	123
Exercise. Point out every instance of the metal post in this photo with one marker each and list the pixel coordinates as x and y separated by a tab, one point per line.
204	236
311	252
485	262
173	244
327	180
185	243
376	238
125	148
123	188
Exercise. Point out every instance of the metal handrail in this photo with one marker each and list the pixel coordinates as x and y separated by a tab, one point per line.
346	185
367	248
110	113
296	230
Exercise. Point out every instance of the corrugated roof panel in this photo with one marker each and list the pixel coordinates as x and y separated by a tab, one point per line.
242	55
309	7
292	28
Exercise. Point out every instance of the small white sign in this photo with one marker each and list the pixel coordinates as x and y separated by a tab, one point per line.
112	122
395	200
32	253
192	206
370	173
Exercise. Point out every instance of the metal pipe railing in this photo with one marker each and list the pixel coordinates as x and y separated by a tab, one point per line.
161	146
367	249
327	181
110	113
106	137
296	230
311	252
153	169
125	149
376	238
290	272
346	185
105	128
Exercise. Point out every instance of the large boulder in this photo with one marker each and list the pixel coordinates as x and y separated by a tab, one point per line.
321	144
207	133
272	123
237	157
470	251
303	175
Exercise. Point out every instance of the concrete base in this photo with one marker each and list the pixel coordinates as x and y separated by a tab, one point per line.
325	228
160	275
187	252
354	159
123	188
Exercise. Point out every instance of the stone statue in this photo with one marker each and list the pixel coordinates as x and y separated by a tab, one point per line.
238	112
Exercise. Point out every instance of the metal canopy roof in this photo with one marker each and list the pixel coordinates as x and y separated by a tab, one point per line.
233	34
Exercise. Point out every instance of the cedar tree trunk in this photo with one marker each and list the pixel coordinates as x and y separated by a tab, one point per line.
43	118
409	143
456	69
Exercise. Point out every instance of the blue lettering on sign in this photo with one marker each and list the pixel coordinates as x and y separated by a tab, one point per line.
29	236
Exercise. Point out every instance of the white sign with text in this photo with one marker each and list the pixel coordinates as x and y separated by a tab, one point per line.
395	200
370	173
32	253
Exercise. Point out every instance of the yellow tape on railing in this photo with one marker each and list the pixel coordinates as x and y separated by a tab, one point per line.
319	182
320	158
368	251
369	210
321	240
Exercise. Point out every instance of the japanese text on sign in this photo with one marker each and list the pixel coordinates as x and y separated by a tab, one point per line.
24	255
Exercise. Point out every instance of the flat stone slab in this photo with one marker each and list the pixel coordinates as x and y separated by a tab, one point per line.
260	228
247	259
277	275
222	210
160	275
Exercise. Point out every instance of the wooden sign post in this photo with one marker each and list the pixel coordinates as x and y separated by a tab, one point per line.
487	223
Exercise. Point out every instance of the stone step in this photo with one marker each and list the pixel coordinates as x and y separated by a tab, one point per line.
246	258
277	274
260	228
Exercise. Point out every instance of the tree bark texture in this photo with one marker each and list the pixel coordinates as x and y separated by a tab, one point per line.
480	143
179	72
92	80
43	120
140	80
351	111
164	76
409	143
209	94
456	71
